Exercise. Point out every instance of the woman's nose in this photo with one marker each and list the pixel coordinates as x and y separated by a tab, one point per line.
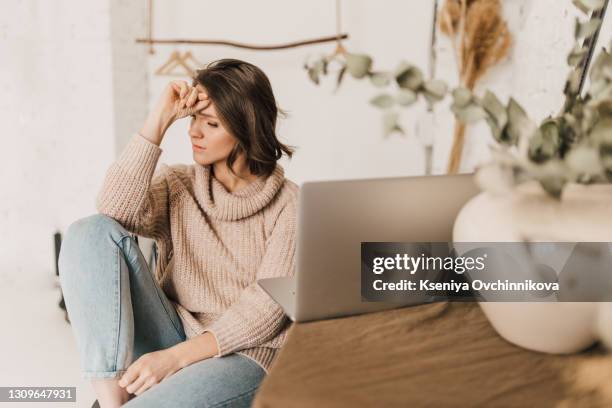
195	133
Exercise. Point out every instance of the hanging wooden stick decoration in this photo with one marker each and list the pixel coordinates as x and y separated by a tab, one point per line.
150	40
244	45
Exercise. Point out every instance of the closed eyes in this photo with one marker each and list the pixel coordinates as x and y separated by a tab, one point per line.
211	124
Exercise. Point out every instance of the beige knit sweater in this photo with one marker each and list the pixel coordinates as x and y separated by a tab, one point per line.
213	244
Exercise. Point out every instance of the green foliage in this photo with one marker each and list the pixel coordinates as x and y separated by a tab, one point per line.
358	65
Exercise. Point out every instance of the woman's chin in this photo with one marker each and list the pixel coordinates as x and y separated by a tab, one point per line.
197	157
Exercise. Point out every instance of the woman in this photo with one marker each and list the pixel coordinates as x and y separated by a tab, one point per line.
201	332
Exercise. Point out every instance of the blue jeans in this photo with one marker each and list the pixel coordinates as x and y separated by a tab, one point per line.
118	313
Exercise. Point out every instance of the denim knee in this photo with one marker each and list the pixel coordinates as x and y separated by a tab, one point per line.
94	225
85	235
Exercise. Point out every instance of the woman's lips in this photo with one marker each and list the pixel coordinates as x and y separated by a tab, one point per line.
198	148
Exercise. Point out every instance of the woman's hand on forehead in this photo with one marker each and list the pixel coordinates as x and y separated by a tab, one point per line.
190	99
178	100
186	91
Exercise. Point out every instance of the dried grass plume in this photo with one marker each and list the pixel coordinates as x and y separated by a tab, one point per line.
480	39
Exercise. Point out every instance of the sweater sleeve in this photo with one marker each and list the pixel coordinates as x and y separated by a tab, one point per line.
255	318
132	194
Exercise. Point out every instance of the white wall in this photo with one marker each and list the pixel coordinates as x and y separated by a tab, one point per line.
129	75
56	124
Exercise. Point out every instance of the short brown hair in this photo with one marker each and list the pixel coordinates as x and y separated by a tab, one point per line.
245	103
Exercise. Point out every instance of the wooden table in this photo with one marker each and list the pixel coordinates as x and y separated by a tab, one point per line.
441	355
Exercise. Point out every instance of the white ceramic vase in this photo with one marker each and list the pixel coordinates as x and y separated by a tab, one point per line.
583	214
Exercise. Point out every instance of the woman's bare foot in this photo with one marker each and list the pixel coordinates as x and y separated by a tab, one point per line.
109	393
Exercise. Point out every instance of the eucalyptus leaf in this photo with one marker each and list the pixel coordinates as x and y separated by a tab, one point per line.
406	97
496	131
576	55
519	124
602	66
569	119
587	28
382	101
436	88
550	131
470	113
358	65
589	5
401	67
553	185
494	107
552	175
313	73
340	76
321	67
461	96
600	89
410	77
380	79
324	63
390	123
604	108
545	143
572	86
589	117
602	131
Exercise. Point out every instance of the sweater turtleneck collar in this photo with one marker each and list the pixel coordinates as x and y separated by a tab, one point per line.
229	206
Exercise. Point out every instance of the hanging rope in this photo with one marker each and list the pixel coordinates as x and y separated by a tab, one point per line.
340	50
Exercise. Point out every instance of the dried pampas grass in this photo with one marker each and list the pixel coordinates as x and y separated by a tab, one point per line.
481	39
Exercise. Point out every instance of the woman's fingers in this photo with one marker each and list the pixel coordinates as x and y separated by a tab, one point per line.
129	376
201	105
188	99
181	88
190	110
184	89
192	98
136	385
148	384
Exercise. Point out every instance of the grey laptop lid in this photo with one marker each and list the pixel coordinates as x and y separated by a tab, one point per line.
334	217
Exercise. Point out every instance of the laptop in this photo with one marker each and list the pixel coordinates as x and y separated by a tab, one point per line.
334	217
